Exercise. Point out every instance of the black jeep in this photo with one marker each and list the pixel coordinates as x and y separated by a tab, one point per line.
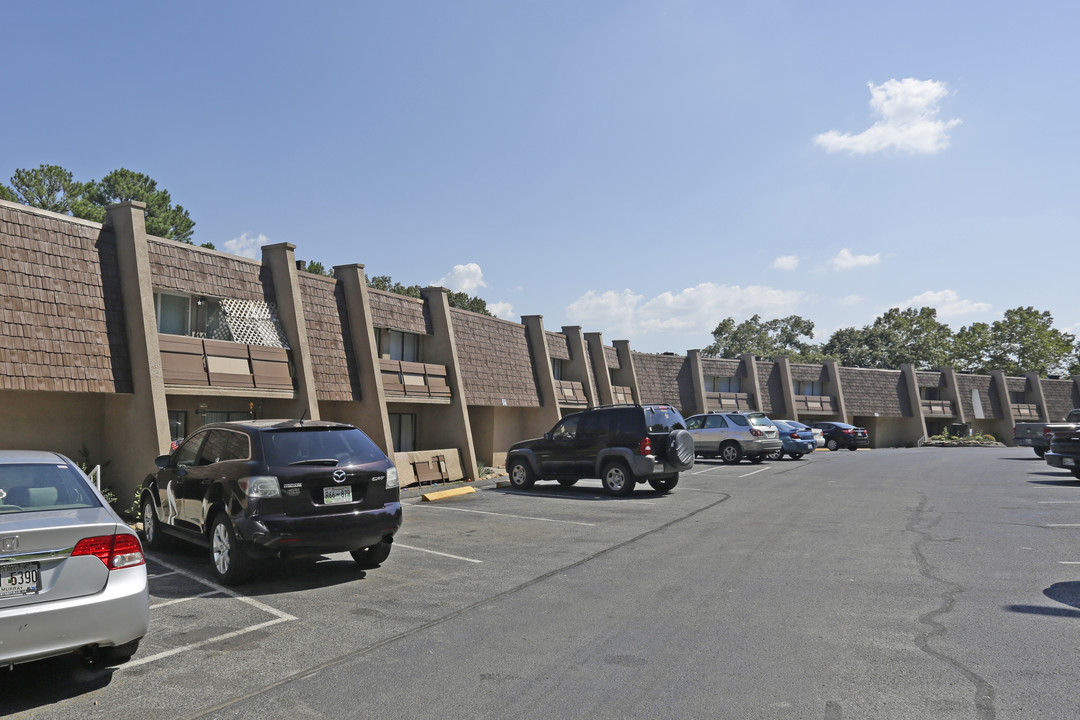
620	444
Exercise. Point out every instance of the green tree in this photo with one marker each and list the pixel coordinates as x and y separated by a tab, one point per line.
317	268
973	348
49	187
162	217
867	346
460	300
769	338
1025	340
917	337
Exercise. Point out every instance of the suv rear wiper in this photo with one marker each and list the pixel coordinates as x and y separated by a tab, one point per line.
320	461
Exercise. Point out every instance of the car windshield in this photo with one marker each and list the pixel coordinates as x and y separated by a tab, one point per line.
664	418
31	487
319	446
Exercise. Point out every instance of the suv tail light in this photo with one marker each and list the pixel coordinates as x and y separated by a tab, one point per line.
1047	430
116	551
260	486
756	433
645	447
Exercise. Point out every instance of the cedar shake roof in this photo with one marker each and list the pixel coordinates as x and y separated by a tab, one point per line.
875	391
930	379
61	315
772	391
720	367
329	338
494	360
664	379
805	372
193	270
398	312
1016	384
981	383
558	346
611	355
1061	397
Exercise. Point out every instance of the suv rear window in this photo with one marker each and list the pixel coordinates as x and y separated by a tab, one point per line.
319	446
760	421
664	418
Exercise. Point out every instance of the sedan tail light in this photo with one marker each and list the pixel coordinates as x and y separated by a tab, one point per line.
794	436
116	551
849	431
645	447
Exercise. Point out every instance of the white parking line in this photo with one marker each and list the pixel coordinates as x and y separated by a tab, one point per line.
1068	562
754	473
436	552
518	517
1063	525
181	600
1059	502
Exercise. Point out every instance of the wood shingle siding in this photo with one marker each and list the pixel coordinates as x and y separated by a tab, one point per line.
875	391
982	384
557	345
1060	398
664	379
611	355
398	312
720	367
60	306
327	322
494	361
771	389
191	270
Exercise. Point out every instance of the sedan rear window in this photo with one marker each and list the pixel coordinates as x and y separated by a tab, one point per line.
319	446
30	487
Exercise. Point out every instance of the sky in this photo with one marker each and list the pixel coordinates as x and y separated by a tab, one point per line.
642	169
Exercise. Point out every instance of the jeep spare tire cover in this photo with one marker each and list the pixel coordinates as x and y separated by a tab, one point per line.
680	450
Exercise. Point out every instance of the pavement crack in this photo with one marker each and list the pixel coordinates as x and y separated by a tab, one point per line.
920	523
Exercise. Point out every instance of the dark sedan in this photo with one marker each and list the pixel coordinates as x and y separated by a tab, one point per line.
840	435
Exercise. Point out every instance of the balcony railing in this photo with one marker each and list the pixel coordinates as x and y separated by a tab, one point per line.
622	395
1026	411
937	408
198	362
729	401
570	392
815	404
414	379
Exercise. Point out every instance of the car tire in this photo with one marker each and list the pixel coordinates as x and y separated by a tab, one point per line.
228	561
617	479
680	450
832	444
795	456
774	455
1075	472
152	536
731	452
757	458
372	557
664	484
521	475
568	482
852	448
1040	451
117	654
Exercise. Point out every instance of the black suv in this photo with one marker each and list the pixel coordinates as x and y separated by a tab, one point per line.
620	444
264	488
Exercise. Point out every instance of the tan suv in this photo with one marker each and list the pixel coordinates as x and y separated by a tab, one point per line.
732	436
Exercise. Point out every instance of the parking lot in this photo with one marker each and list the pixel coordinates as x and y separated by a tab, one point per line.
490	590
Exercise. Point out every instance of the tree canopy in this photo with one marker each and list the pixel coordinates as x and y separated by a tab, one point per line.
1024	340
51	187
460	300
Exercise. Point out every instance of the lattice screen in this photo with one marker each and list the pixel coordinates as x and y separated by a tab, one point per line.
251	323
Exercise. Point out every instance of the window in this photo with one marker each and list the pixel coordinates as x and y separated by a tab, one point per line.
177	425
557	368
808	387
567	429
739	420
930	393
1018	397
402	346
216	416
403	431
222	445
695	423
189	451
173	314
716	383
715	421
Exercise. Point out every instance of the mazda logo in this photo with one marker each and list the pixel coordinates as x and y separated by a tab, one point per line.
9	544
339	476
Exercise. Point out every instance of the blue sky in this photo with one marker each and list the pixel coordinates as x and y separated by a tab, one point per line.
641	169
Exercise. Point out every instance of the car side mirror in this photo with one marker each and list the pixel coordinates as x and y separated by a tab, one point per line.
162	461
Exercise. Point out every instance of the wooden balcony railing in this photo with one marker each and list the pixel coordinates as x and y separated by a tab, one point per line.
729	401
937	408
198	362
815	404
570	392
1026	411
414	379
622	395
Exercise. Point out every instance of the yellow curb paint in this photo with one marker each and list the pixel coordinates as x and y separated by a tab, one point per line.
443	494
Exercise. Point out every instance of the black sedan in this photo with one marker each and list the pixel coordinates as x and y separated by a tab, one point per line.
838	435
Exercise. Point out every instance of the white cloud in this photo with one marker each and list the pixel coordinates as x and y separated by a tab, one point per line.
247	246
851	300
785	262
692	310
463	278
846	260
503	310
908	121
947	303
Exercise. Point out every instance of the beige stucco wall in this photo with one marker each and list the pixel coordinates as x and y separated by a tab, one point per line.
495	429
888	431
61	422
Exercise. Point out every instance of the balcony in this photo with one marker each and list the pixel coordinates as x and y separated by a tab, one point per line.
414	380
811	404
1026	411
570	392
937	408
735	402
622	395
197	363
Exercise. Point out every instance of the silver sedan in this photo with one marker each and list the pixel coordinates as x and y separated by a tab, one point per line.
72	573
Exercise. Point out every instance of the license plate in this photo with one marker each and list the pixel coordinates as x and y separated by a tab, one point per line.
1068	461
21	579
333	495
658	467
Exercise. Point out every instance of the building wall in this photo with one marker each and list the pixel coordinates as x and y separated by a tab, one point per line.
664	379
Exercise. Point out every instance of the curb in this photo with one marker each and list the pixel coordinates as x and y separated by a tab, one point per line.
443	494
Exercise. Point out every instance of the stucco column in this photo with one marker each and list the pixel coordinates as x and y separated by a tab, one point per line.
833	369
911	384
697	383
370	411
281	258
595	341
787	386
579	367
749	366
1035	383
625	374
952	393
541	360
1003	426
138	424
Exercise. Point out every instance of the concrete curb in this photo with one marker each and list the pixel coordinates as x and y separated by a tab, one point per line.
444	494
